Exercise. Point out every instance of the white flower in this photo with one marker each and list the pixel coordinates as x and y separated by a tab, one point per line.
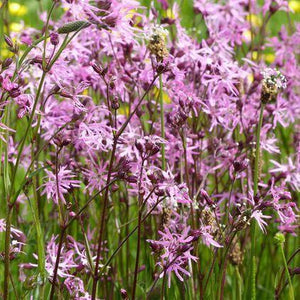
274	77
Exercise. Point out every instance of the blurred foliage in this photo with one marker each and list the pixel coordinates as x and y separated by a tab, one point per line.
29	10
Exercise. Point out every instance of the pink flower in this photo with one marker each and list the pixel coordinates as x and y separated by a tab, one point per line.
4	128
291	170
176	252
205	233
57	186
66	260
259	217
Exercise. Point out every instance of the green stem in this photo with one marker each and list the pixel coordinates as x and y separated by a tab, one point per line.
238	284
7	248
40	242
291	290
46	33
27	130
162	122
257	151
255	190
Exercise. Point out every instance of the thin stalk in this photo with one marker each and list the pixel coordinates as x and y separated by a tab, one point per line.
255	190
120	131
27	130
163	287
291	290
25	180
277	290
140	203
61	238
224	266
7	250
103	217
129	235
162	122
238	284
118	134
40	241
46	33
62	226
88	203
137	256
9	212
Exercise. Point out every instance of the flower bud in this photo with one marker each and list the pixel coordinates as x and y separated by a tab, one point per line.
240	166
8	41
124	294
96	68
54	38
73	26
279	238
6	63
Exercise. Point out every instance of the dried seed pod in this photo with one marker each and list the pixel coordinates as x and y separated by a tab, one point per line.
157	44
208	218
273	82
236	255
165	218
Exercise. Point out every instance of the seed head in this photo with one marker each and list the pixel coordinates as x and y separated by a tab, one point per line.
273	82
157	42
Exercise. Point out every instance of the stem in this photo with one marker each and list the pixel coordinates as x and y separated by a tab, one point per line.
238	284
163	286
130	234
103	215
137	256
46	33
40	240
27	130
255	190
257	151
25	180
118	134
88	203
120	131
62	225
162	122
61	238
140	203
224	266
277	290
7	248
291	290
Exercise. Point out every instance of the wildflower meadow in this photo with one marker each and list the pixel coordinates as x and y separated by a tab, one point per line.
149	149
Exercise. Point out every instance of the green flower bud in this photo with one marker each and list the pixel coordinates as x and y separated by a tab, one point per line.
73	26
279	238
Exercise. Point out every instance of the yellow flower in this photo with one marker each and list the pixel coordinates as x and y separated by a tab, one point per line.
247	35
170	14
123	110
166	97
254	20
16	27
250	78
17	9
295	6
254	55
85	92
5	53
269	57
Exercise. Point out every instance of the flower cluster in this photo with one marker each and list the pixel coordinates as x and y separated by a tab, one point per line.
124	131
